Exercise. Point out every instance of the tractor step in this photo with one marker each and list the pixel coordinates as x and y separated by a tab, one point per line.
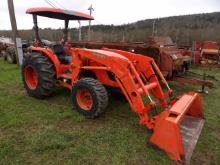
190	129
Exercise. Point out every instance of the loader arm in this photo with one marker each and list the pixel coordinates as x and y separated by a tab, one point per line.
177	128
129	74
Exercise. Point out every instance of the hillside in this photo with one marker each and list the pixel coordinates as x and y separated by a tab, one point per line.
182	29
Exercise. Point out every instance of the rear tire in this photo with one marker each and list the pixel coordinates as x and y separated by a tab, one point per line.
89	97
38	75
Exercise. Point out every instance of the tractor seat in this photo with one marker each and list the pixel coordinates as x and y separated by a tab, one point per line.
59	51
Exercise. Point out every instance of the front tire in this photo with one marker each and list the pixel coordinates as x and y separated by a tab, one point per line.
89	97
38	75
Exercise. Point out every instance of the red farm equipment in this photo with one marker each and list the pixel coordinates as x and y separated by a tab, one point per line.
87	73
7	49
206	53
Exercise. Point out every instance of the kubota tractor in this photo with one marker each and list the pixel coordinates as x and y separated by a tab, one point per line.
87	73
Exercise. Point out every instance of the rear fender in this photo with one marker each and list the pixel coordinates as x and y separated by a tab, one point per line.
53	58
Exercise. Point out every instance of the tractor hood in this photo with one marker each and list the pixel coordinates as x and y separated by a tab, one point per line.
105	57
107	54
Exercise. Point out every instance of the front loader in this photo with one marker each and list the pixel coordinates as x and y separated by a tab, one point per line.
88	72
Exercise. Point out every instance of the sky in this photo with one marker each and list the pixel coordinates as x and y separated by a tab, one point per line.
115	12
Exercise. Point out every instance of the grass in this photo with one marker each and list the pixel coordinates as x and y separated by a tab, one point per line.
50	132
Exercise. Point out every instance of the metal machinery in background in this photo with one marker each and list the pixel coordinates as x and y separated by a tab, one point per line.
206	53
7	49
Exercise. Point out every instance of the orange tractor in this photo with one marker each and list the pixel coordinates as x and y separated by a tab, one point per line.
88	72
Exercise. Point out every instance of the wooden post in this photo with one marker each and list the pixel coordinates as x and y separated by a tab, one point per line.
13	26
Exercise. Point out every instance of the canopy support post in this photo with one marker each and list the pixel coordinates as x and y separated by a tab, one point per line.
36	30
65	31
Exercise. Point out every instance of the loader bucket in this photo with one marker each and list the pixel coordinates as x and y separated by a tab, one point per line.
177	129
